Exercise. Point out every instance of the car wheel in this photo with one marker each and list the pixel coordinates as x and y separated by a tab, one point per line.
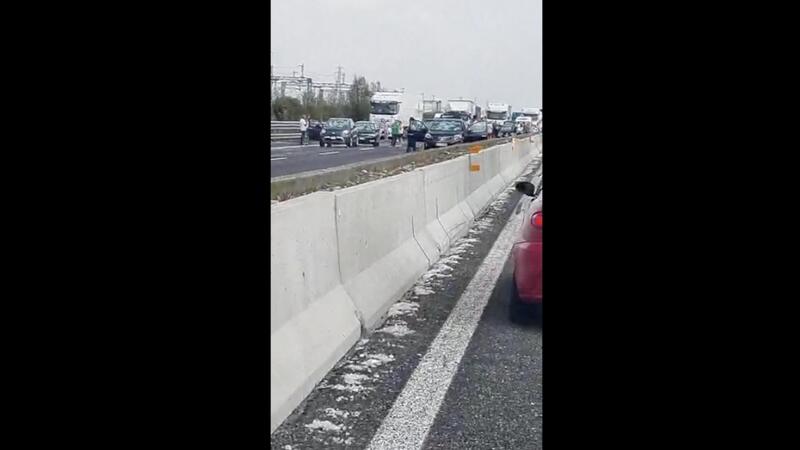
519	312
329	145
375	144
321	144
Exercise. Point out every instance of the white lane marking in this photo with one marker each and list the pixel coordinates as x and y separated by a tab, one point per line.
410	419
278	158
328	153
291	146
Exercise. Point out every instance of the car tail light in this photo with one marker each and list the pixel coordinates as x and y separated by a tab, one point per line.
536	220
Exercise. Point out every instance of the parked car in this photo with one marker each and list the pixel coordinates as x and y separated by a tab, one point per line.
314	129
444	132
368	133
526	287
508	129
339	131
477	132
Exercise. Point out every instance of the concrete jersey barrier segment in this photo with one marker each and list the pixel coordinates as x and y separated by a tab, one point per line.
313	321
447	215
340	259
379	225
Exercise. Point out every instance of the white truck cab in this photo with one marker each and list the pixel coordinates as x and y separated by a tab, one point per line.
498	113
388	106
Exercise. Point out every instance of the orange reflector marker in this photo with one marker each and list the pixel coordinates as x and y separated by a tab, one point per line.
475	149
474	167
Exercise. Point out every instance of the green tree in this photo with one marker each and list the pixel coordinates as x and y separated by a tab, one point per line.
287	108
320	106
358	99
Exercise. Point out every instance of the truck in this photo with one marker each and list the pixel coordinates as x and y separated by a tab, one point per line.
533	113
431	108
497	113
388	106
462	105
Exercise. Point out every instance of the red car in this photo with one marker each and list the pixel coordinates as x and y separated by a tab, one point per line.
526	289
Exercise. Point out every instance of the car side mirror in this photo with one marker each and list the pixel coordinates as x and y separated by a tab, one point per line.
526	188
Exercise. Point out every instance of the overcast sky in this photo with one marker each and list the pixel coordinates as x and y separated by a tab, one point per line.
491	50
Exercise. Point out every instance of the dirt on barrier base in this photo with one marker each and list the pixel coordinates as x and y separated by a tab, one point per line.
335	178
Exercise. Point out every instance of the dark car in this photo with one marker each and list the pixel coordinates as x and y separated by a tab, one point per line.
507	129
314	129
477	132
444	132
339	131
368	133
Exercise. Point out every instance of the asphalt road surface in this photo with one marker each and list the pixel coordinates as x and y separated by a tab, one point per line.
287	159
291	158
447	369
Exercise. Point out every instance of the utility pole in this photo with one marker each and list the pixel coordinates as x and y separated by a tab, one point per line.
339	83
341	93
301	70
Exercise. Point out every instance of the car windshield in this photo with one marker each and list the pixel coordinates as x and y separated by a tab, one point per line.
508	123
497	115
444	125
338	123
365	126
384	108
480	126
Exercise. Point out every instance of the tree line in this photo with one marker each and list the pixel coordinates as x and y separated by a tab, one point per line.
353	104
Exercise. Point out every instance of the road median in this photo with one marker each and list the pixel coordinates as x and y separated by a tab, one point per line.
335	178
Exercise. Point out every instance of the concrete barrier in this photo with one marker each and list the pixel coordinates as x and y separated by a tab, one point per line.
495	183
313	321
340	259
478	196
380	256
508	162
447	215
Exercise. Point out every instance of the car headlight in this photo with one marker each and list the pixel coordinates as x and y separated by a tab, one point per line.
428	136
345	132
322	132
457	137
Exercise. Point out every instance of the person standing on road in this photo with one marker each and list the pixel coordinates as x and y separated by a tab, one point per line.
303	128
395	132
412	139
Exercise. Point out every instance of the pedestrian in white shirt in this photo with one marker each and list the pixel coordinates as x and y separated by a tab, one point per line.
303	128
